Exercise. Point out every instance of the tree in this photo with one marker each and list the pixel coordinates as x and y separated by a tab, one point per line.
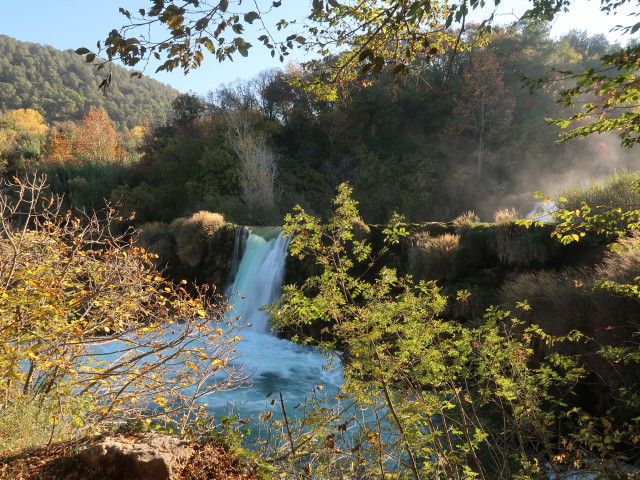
484	106
22	137
259	165
97	140
372	35
186	108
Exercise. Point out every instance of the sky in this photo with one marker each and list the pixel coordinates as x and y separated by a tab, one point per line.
71	24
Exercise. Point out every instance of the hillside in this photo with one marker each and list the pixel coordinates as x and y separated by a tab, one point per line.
61	86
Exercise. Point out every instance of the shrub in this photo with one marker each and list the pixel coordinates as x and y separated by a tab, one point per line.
88	327
192	234
433	258
423	397
517	245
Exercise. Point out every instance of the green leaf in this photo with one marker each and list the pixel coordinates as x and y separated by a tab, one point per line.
82	51
242	46
251	16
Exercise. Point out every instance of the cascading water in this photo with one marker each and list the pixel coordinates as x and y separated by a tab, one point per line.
275	365
258	280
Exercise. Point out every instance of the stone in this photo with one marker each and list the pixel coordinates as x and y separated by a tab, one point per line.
149	456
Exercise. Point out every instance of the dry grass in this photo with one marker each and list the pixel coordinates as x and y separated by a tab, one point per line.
192	234
505	215
361	230
463	221
622	264
433	258
516	245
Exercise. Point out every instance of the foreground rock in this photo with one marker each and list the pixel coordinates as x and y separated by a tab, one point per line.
125	456
149	457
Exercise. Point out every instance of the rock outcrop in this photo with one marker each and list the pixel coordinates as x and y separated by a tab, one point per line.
148	457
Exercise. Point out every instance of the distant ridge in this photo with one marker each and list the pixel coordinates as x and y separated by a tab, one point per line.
62	86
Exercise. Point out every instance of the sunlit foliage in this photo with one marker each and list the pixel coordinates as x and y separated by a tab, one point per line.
90	333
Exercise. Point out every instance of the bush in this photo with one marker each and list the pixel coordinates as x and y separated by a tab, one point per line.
433	258
192	234
517	245
88	327
425	397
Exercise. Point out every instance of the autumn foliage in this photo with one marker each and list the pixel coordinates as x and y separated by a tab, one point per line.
94	140
89	333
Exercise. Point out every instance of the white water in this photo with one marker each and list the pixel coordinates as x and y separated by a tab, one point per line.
258	280
275	365
543	212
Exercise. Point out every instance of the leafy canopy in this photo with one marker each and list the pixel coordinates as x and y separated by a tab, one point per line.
368	36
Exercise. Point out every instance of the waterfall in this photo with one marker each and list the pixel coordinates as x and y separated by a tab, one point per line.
258	280
239	244
274	364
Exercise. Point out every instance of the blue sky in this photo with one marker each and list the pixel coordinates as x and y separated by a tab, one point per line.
70	24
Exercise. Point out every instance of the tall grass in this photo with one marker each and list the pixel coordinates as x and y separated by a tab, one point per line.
517	245
464	221
24	424
86	185
618	189
433	258
622	263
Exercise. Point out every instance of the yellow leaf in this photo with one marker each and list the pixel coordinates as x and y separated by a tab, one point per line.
161	401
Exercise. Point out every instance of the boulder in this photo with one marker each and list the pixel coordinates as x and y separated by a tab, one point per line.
148	456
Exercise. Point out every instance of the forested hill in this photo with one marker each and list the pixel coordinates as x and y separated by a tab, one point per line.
61	86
